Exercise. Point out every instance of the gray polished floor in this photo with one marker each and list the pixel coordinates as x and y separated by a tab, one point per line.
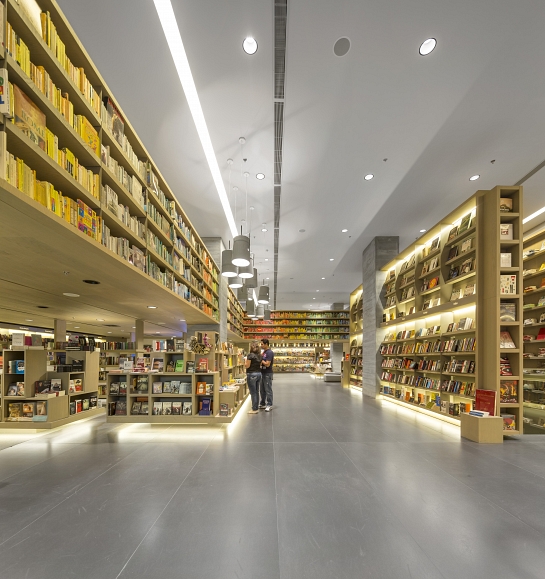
327	486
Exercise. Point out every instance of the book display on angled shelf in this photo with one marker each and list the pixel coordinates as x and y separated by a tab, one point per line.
71	155
40	393
432	353
533	329
327	326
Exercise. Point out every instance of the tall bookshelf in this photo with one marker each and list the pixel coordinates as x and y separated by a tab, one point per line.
356	337
235	317
294	357
325	326
85	169
441	325
533	333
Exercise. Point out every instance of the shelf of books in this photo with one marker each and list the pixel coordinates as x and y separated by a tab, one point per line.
45	389
533	340
325	326
168	382
235	317
293	357
72	155
443	338
356	336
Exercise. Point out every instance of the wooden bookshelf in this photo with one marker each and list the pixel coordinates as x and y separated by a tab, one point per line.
138	226
432	355
353	374
235	317
533	321
59	410
324	326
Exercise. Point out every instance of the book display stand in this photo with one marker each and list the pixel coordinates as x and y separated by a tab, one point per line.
442	335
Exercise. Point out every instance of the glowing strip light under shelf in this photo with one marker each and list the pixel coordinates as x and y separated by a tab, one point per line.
176	46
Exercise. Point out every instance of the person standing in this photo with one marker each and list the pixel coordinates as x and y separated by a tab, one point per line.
252	363
267	362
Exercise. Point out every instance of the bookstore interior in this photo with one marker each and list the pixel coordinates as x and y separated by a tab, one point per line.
387	244
451	326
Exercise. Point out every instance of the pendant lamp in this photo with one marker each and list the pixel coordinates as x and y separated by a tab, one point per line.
260	311
227	267
251	282
235	282
246	272
242	293
241	250
250	308
263	295
267	315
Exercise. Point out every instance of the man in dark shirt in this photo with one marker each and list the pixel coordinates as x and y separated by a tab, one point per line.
266	376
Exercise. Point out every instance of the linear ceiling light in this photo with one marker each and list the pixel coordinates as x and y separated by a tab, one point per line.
534	215
177	50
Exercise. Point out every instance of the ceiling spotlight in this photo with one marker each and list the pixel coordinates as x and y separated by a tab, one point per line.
69	295
427	46
152	307
260	176
313	298
267	278
109	332
323	278
100	320
76	327
331	259
264	229
423	230
344	230
249	45
369	177
29	320
474	178
317	290
266	259
134	327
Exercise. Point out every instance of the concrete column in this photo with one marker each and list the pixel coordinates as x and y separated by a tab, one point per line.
59	330
336	356
139	334
375	256
215	247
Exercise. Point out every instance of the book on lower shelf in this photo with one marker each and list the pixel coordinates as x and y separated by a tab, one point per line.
485	400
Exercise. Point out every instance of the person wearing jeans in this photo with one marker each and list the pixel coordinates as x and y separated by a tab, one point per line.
252	364
266	376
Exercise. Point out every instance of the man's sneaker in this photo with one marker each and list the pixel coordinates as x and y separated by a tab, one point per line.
268	408
261	406
253	412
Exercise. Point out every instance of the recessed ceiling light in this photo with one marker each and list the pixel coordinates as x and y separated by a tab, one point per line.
109	332
427	46
267	278
368	177
160	323
260	176
323	278
317	290
91	281
331	259
134	327
29	320
266	259
100	320
264	229
474	178
344	230
423	231
157	332
249	45
313	298
76	327
152	307
69	295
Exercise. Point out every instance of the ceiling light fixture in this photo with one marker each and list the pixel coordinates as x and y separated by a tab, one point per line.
235	282
29	320
100	320
177	50
249	45
260	176
69	295
152	307
533	215
331	259
344	230
368	177
474	178
427	46
423	231
323	278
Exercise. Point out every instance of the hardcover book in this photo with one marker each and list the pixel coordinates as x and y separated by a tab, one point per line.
157	408
176	407
485	400
187	408
201	388
507	312
505	260
157	365
508	391
121	408
506	341
464	224
453	233
157	388
179	366
190	367
506	231
167	408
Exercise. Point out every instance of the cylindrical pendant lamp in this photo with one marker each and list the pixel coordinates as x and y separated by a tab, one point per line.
252	281
260	311
242	293
246	272
227	267
267	315
263	295
235	282
250	308
241	251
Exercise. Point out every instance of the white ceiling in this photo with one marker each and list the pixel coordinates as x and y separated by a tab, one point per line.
478	97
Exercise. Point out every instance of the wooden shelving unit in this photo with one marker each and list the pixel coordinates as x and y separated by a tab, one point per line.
48	412
326	326
533	377
235	317
432	353
355	361
129	220
293	358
